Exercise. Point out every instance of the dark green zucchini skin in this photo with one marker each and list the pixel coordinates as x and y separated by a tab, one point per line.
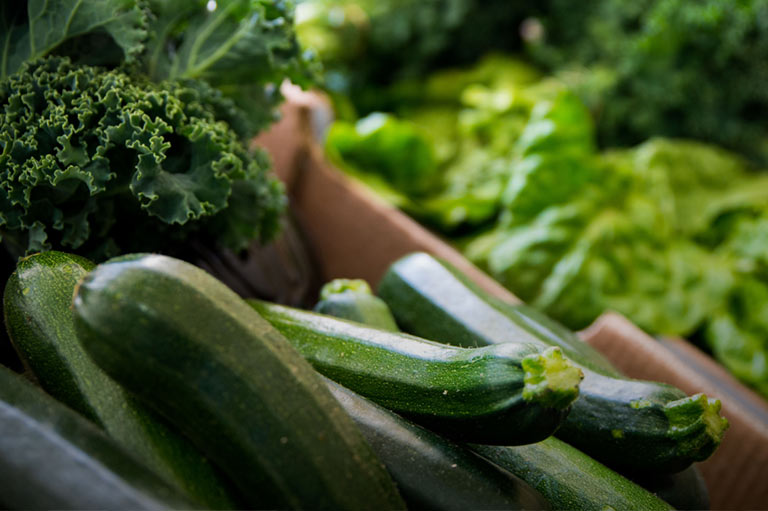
467	394
627	424
191	348
685	490
432	472
573	480
38	315
352	299
570	479
53	458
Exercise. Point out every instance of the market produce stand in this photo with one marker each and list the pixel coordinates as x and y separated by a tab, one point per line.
354	234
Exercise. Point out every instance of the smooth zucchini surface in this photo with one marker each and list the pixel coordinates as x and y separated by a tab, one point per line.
569	479
352	299
40	321
192	349
628	424
685	490
430	471
559	470
506	394
53	458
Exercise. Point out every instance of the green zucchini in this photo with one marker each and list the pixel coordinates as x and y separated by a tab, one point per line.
570	479
431	471
352	299
53	458
627	424
510	394
38	315
684	490
190	347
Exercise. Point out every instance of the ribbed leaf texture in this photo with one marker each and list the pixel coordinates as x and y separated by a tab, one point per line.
102	162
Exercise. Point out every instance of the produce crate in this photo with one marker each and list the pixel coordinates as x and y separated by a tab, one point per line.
354	234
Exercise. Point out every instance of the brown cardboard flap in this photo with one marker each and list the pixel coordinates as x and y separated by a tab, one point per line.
357	235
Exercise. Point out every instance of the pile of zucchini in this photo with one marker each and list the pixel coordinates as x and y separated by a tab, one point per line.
157	387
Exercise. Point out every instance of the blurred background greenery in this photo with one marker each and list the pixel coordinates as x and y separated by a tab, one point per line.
589	155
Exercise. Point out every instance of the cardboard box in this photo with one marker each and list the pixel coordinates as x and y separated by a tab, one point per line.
354	234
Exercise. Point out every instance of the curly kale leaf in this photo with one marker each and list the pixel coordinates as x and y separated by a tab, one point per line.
243	48
35	28
672	68
102	162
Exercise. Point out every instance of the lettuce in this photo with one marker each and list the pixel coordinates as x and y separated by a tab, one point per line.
397	151
673	234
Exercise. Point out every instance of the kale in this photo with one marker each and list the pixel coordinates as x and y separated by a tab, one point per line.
670	68
103	163
124	124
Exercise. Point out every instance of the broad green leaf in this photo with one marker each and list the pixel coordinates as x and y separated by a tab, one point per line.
238	41
45	24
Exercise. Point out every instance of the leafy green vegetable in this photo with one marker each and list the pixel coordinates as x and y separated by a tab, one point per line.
635	231
366	45
104	163
147	149
467	119
245	48
671	233
665	67
396	150
35	28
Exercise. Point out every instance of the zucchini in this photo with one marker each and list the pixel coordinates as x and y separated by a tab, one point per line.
510	394
431	471
53	458
191	348
630	425
684	490
570	479
352	299
38	314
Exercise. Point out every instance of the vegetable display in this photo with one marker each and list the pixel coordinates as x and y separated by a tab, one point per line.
511	394
52	458
230	382
127	140
669	233
352	299
141	144
177	340
566	476
38	315
629	424
432	472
